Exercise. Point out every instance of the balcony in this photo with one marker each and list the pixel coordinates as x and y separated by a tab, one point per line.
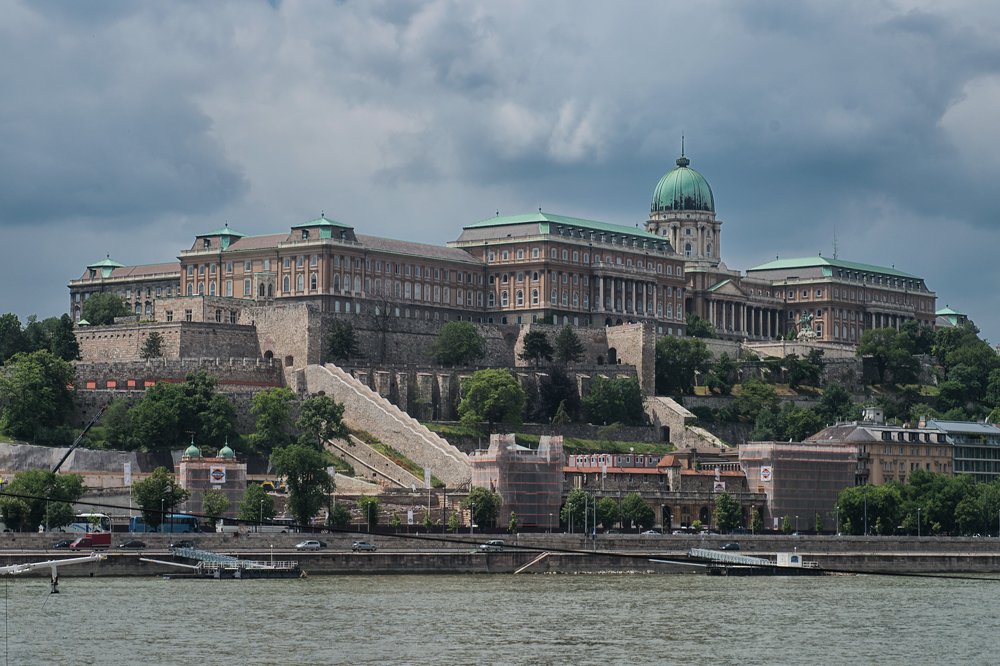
622	268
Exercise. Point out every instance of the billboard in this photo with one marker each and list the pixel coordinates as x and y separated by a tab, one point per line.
217	474
765	473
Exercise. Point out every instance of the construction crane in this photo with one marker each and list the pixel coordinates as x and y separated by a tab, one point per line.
53	565
80	438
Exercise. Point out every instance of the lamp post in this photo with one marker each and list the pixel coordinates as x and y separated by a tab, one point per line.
261	515
369	512
796	523
918	522
570	508
837	531
550	522
162	501
866	509
472	519
272	554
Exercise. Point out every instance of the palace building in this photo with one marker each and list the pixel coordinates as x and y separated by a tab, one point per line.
522	269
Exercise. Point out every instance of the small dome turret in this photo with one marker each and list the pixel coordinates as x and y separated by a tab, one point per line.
226	452
192	451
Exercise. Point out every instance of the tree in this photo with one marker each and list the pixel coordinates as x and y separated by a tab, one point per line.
801	423
118	429
558	390
458	343
55	334
819	524
394	520
578	508
100	309
698	327
569	349
485	505
214	504
835	403
369	508
321	417
428	523
12	339
614	400
756	522
491	396
636	512
718	378
892	352
152	347
922	336
454	522
256	504
608	512
728	515
800	371
34	392
677	361
536	347
513	524
158	495
271	408
155	419
339	516
342	343
753	397
786	525
883	506
309	484
49	500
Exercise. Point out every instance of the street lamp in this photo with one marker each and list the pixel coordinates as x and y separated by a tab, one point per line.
866	509
550	522
837	531
570	508
272	555
261	515
472	519
796	523
918	522
161	513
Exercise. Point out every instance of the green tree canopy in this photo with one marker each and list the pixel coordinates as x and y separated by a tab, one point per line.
569	349
458	343
835	404
579	507
755	395
614	400
608	512
340	516
369	508
883	502
892	352
25	514
719	379
555	389
492	396
698	327
152	347
801	370
322	419
271	407
342	343
12	338
100	309
677	360
791	422
34	392
728	515
158	494
256	504
485	505
536	347
756	522
309	484
55	334
637	512
214	504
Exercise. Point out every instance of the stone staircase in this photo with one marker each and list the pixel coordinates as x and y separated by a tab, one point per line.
365	409
359	454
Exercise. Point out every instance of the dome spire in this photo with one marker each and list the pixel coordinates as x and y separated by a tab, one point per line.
682	161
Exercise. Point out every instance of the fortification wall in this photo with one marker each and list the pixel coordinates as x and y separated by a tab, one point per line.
181	339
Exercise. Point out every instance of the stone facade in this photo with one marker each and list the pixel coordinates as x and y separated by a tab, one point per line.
195	476
181	339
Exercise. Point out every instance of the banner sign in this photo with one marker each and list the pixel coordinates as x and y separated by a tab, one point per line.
217	474
427	478
331	471
720	486
765	473
409	517
128	474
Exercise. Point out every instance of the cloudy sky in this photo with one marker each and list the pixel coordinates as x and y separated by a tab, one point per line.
127	127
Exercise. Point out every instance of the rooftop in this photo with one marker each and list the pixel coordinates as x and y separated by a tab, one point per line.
543	220
819	261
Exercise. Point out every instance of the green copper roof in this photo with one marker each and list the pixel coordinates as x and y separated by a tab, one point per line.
949	311
546	220
227	452
683	189
813	262
322	222
192	452
225	231
107	263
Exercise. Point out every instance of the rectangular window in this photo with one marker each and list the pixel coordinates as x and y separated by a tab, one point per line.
170	315
229	267
288	262
187	315
246	267
229	288
447	296
437	294
246	288
520	254
267	264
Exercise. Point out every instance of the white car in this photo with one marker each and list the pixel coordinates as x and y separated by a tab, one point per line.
493	546
310	545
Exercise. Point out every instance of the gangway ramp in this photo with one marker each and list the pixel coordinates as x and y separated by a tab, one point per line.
729	558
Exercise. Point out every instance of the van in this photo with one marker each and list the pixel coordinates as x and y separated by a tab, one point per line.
492	546
92	540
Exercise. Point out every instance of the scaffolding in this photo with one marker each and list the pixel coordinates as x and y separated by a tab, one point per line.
528	480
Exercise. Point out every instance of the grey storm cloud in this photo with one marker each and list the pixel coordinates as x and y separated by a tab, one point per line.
871	120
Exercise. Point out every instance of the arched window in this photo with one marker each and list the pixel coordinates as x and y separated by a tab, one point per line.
336	283
211	289
491	300
201	289
708	250
520	298
520	277
504	299
190	289
576	300
534	297
670	311
357	285
586	301
687	249
270	290
565	298
300	283
138	308
554	297
286	284
534	276
313	282
504	279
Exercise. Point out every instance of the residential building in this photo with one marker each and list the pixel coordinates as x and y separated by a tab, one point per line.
975	447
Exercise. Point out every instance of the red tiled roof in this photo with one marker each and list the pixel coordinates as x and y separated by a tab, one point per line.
710	472
669	461
616	470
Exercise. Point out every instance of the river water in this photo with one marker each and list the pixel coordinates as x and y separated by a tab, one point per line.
502	619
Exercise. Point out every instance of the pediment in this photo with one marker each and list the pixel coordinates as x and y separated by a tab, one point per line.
727	288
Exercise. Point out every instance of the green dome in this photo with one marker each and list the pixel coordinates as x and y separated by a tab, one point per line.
683	189
227	452
192	452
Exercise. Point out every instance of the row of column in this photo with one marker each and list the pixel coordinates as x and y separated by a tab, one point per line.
625	295
744	319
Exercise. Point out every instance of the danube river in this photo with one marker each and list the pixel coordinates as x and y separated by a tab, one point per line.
502	619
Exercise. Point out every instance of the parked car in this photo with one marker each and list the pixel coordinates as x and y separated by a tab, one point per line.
612	531
182	543
730	546
311	544
492	546
651	533
62	544
132	543
363	545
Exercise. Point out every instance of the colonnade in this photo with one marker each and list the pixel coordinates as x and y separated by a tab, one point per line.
627	296
743	318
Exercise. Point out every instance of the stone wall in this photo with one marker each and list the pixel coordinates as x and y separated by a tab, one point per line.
635	344
253	371
87	402
181	339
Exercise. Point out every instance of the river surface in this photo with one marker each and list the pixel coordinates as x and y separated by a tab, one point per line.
502	619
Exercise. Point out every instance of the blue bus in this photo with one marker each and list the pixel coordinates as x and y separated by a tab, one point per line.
178	523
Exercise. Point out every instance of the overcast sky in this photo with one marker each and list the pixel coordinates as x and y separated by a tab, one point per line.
128	127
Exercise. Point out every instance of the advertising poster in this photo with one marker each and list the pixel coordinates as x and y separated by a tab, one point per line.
765	473
217	474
